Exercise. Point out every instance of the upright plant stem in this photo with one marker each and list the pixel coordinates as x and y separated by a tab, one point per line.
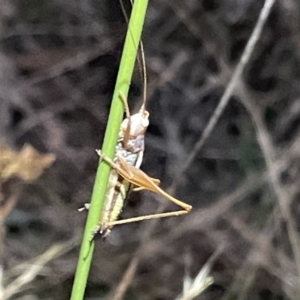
110	140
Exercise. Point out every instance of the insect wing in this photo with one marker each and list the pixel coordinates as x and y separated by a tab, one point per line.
141	179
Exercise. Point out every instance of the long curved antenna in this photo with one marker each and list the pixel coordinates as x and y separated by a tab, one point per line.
141	62
143	107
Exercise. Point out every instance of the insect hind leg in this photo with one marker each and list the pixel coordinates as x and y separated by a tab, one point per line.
149	217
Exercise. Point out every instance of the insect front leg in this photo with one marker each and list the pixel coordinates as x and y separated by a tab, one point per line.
124	172
107	159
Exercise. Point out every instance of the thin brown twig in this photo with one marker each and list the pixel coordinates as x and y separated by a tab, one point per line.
76	61
126	280
271	157
9	204
5	210
264	254
36	265
235	79
248	271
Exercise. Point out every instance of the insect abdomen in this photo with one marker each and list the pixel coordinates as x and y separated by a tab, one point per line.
114	202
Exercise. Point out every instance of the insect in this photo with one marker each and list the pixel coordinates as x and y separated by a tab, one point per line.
126	168
125	171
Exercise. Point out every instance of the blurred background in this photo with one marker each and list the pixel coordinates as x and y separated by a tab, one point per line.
58	65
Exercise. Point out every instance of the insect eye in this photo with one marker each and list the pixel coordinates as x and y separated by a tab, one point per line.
145	123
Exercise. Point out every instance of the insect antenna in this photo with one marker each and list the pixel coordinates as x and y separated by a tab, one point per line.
141	63
144	75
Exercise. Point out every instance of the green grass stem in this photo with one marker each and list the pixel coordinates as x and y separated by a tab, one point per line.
127	63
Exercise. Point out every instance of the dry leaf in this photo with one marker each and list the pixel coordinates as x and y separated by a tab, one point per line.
28	164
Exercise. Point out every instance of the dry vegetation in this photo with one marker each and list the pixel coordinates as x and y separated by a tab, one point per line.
58	64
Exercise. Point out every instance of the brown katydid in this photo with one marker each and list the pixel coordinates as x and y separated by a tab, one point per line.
125	168
125	171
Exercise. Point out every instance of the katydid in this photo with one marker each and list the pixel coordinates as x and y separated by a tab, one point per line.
125	171
126	168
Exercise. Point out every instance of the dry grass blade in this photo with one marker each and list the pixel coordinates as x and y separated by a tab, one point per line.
35	267
195	287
